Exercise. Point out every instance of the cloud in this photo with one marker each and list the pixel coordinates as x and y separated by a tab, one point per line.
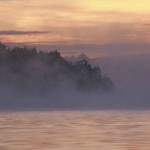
146	24
5	0
14	32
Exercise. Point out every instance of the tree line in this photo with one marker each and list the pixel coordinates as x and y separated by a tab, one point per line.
37	71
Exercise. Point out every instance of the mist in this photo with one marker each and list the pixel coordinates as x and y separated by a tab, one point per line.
131	75
72	82
31	79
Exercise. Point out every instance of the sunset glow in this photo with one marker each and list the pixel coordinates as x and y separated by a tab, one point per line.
75	22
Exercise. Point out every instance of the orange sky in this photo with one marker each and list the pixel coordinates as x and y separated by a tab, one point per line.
81	22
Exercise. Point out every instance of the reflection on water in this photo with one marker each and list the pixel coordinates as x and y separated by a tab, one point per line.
75	130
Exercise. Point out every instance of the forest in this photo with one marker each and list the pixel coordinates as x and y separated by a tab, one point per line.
30	70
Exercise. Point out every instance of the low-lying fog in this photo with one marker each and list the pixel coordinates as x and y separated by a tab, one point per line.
73	85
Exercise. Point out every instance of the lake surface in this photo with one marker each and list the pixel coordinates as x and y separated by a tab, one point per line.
75	130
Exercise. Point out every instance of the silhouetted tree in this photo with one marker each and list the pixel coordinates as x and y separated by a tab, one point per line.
31	70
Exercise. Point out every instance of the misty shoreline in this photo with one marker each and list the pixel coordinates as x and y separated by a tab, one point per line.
130	75
31	78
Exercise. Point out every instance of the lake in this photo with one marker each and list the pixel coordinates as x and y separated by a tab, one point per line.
75	130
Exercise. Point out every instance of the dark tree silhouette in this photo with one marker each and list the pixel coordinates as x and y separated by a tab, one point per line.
30	70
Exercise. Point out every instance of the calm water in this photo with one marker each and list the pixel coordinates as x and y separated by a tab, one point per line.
75	130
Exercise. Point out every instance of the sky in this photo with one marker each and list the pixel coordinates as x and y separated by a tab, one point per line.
96	27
